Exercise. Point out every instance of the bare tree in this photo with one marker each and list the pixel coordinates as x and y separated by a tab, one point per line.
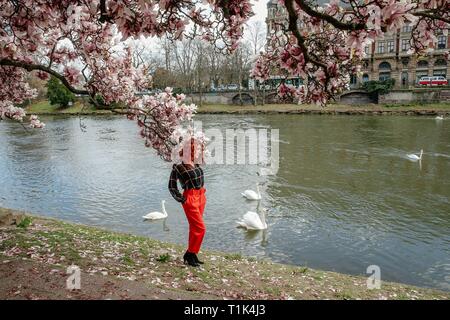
166	45
185	55
199	68
242	59
214	63
256	36
144	55
194	65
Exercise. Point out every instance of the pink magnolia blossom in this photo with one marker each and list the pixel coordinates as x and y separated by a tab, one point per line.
326	52
160	118
72	74
82	44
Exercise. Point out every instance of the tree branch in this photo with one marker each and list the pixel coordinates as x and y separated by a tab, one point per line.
31	67
104	17
333	21
431	16
359	26
293	17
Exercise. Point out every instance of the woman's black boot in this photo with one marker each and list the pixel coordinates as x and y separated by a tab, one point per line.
189	259
196	259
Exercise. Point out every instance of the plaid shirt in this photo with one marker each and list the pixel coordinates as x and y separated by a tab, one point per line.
189	178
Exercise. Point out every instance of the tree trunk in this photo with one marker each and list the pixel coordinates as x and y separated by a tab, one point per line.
201	95
239	84
264	93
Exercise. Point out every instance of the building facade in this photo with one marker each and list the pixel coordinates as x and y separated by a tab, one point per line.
386	58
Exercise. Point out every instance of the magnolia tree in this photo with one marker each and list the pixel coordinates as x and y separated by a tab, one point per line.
325	44
83	44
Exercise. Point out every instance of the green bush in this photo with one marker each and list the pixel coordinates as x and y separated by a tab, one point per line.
177	90
99	100
376	88
57	93
25	223
99	103
379	87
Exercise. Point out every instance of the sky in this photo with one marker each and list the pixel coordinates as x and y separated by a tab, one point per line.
260	10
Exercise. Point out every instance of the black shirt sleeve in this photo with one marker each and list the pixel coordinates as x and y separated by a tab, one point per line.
173	187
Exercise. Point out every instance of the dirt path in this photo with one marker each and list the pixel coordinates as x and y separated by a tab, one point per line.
35	253
25	279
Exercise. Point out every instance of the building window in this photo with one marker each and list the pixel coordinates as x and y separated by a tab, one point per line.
405	44
385	71
381	47
442	72
390	46
422	64
442	43
384	66
407	28
366	50
353	80
384	76
365	78
440	62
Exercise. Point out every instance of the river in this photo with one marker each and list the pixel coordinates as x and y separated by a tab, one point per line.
345	196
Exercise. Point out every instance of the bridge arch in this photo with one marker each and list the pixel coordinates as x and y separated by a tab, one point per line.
246	99
357	97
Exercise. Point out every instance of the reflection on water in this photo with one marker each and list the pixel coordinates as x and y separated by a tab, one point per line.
345	196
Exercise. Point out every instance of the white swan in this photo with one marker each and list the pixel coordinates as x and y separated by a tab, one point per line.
415	157
252	195
156	214
439	118
252	221
265	172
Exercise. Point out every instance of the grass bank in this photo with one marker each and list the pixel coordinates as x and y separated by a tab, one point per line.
376	109
44	108
35	252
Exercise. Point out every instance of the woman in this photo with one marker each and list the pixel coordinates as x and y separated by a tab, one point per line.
193	200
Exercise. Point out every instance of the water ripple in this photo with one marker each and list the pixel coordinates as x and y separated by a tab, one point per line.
343	198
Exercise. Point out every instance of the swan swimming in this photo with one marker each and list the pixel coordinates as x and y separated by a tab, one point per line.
265	172
252	221
156	214
439	118
252	195
414	157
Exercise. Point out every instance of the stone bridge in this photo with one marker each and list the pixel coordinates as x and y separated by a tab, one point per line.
233	97
357	96
351	97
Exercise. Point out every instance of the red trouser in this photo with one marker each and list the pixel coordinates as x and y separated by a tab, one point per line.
194	207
